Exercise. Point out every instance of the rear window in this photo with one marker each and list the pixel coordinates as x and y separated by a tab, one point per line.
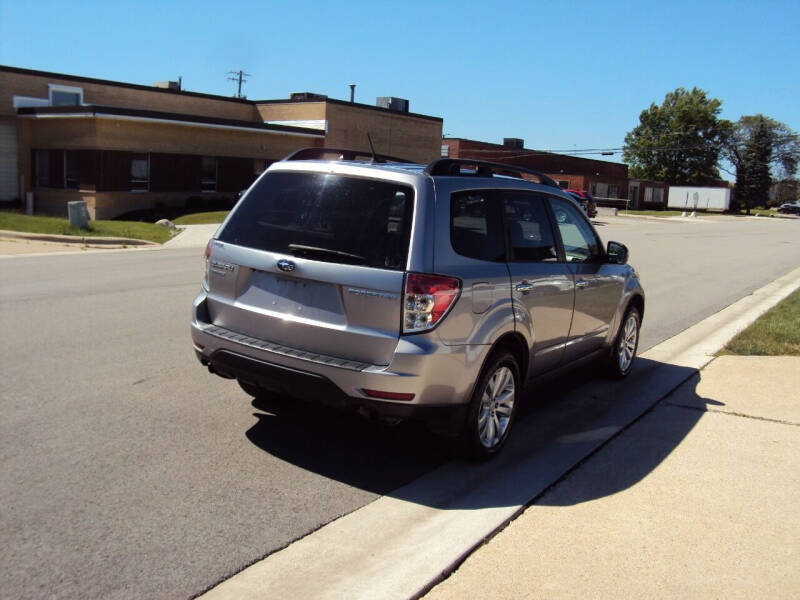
326	217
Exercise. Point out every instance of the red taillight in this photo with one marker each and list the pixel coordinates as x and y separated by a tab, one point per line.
388	395
206	263
427	299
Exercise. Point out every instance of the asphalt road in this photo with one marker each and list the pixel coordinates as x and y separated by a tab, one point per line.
126	471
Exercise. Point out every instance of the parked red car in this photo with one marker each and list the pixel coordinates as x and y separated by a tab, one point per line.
586	201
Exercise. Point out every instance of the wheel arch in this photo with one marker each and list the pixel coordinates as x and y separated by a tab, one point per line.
514	343
637	300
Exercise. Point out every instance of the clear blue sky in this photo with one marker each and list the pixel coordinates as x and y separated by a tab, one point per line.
561	75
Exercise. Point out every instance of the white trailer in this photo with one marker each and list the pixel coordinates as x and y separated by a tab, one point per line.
699	198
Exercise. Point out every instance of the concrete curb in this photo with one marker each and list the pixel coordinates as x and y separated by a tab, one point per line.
72	239
607	211
402	544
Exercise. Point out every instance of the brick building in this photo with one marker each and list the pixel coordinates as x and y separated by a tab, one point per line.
601	178
644	194
122	147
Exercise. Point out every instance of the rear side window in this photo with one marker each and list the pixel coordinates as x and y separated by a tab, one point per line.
476	229
529	227
326	217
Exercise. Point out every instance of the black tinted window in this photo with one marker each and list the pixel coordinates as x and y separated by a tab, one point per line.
475	229
529	227
326	217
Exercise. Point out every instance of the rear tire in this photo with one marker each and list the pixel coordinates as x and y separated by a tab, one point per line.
492	408
623	352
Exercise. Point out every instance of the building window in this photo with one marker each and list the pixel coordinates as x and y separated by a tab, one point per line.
563	184
140	172
445	150
70	170
42	168
26	101
209	179
613	191
65	95
654	195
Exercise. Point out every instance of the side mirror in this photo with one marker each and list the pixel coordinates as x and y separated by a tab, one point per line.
617	253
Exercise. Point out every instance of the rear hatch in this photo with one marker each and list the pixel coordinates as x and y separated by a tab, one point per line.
315	262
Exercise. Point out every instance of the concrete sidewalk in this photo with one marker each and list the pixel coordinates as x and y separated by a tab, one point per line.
14	243
698	498
192	236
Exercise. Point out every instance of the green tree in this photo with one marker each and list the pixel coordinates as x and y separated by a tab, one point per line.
760	149
679	142
787	190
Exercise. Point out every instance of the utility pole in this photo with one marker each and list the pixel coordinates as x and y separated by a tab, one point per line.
239	76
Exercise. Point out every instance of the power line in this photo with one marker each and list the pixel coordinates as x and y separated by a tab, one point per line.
504	153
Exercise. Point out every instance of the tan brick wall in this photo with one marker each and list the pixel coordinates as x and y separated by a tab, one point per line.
395	134
65	134
36	86
292	111
392	133
114	134
54	202
107	205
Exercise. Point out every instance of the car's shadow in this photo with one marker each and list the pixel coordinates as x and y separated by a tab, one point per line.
367	454
559	424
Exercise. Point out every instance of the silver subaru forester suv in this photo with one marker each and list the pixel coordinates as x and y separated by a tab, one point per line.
434	292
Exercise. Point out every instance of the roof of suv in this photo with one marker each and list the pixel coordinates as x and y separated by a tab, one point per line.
446	167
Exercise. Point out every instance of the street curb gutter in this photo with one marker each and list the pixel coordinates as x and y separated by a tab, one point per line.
404	543
73	239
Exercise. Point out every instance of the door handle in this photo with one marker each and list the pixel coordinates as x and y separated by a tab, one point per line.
524	287
581	283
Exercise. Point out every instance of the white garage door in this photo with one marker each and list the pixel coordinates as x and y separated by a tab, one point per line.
8	161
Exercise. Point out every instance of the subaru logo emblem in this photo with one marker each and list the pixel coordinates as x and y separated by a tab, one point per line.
285	265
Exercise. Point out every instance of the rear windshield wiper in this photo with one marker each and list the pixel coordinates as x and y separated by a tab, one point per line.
299	249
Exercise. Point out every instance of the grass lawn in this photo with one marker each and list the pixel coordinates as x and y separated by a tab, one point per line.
130	229
775	333
202	218
758	210
767	212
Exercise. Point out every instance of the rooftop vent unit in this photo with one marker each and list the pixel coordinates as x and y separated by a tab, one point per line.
168	85
298	96
516	143
392	103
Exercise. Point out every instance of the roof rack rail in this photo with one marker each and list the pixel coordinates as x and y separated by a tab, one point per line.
342	154
452	166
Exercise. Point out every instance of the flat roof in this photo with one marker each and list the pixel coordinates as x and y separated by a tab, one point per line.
149	88
347	103
530	151
134	86
91	110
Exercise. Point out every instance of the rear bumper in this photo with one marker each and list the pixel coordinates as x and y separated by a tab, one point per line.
315	388
440	376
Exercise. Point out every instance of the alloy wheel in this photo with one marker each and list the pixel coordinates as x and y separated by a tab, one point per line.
627	343
497	406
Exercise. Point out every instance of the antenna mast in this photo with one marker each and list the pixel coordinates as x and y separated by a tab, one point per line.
239	77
